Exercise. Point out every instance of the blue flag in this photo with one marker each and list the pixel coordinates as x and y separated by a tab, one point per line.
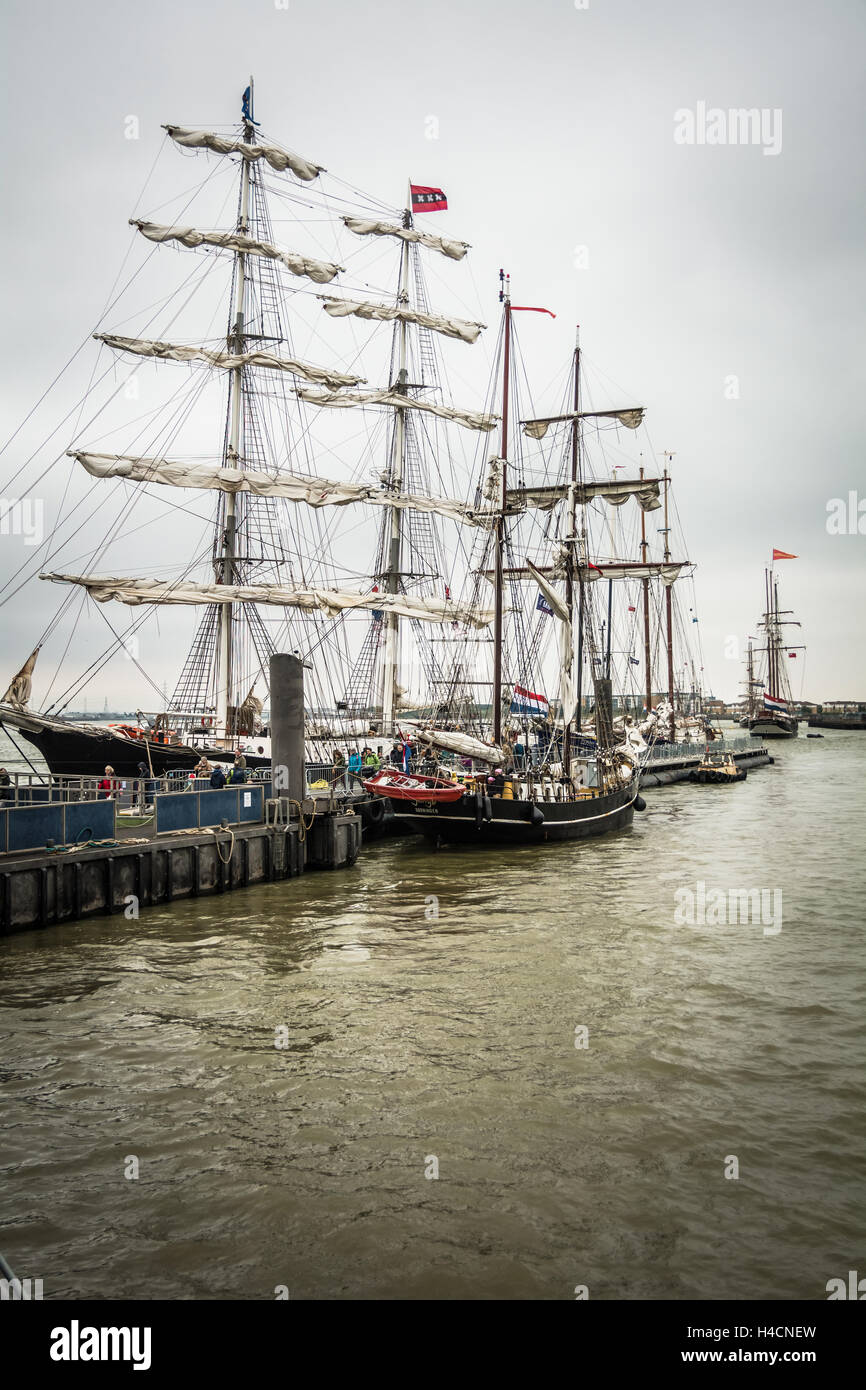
542	605
245	107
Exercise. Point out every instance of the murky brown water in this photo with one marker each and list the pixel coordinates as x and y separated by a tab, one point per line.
411	1039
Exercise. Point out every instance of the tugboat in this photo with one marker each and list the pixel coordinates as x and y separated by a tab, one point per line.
718	768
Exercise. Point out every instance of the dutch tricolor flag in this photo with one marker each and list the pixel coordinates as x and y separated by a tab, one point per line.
773	703
527	702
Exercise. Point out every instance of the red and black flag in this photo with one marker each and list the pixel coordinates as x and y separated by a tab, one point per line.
427	199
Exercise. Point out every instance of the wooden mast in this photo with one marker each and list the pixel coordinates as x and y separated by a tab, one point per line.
668	611
572	558
647	656
505	297
226	573
395	529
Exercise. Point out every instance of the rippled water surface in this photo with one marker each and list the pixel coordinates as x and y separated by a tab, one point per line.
410	1040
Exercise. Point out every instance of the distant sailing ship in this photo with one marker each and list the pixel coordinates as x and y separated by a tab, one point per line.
770	714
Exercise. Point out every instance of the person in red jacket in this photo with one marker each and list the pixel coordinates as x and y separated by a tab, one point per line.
106	785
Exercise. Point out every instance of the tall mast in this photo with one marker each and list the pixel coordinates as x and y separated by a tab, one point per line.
668	609
505	297
750	678
225	567
572	556
647	655
395	528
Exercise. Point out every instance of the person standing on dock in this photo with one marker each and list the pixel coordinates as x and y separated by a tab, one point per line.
217	778
106	786
354	766
338	769
5	785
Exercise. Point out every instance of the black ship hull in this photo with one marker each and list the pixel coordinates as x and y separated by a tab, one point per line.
838	721
466	822
79	753
773	726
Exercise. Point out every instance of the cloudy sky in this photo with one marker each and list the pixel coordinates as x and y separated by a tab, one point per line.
721	284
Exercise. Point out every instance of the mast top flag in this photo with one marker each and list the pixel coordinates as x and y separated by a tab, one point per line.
426	199
783	555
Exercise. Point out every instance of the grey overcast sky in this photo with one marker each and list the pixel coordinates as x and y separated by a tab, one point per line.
553	129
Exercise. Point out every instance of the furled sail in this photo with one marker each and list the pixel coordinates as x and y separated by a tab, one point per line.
332	602
617	492
340	400
143	347
631	418
566	643
317	492
18	691
448	327
320	271
225	144
668	573
453	742
361	226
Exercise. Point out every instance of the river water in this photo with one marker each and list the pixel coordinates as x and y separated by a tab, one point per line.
613	1098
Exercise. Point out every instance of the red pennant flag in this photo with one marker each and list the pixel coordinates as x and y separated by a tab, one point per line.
532	309
783	555
427	199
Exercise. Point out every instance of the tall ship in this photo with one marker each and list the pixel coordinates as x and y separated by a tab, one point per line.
325	506
770	713
535	771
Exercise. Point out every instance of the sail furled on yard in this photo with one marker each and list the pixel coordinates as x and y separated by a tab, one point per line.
144	347
453	742
615	491
448	327
331	602
363	226
662	570
316	492
560	611
273	155
343	400
322	272
630	417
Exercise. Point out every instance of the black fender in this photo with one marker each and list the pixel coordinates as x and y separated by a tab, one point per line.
639	803
373	812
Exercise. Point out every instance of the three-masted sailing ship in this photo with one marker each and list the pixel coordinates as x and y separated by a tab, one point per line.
772	714
261	560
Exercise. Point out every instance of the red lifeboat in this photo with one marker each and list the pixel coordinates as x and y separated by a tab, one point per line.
400	786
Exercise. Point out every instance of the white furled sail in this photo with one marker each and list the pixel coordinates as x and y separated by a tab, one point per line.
225	144
332	602
316	492
631	418
320	271
342	400
448	327
361	226
458	743
617	492
567	694
668	573
143	347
